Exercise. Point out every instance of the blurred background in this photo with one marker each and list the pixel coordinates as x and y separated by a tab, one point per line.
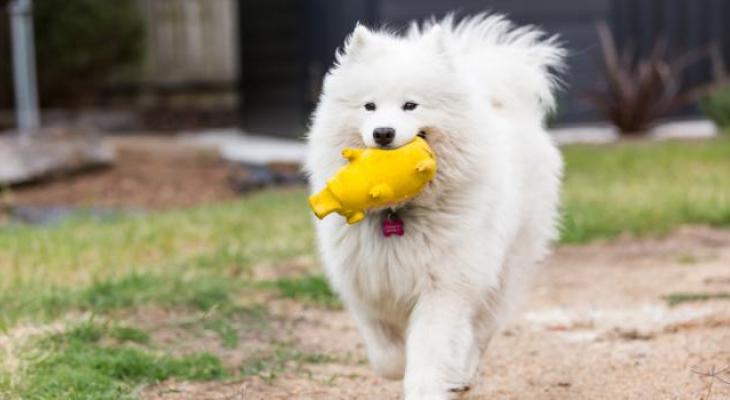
258	64
150	193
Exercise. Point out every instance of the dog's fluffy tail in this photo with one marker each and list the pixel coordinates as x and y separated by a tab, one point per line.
516	65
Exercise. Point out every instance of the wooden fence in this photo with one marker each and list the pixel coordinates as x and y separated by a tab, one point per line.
191	40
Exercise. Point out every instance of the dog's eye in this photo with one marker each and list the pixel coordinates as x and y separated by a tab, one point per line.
409	106
370	106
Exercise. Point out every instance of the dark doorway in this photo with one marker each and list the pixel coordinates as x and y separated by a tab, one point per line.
697	27
273	69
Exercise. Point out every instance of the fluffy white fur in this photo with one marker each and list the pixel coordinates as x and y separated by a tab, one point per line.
427	303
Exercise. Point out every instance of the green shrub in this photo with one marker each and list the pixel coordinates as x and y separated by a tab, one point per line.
716	106
83	44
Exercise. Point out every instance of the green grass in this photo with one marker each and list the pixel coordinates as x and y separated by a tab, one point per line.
676	299
129	334
78	365
201	293
223	238
281	358
311	289
688	259
225	330
198	258
644	188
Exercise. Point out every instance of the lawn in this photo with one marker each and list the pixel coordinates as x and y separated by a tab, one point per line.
644	188
73	292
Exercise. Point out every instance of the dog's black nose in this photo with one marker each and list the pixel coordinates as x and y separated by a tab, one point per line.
384	136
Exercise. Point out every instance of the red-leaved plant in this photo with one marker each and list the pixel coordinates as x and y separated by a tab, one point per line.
638	91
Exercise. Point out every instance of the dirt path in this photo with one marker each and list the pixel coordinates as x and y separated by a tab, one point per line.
150	172
597	325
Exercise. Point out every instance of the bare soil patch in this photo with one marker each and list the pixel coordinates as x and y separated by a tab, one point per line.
597	325
150	173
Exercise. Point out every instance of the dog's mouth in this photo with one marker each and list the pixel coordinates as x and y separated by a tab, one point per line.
422	134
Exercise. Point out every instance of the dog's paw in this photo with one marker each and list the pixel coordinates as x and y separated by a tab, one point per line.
460	389
388	362
431	393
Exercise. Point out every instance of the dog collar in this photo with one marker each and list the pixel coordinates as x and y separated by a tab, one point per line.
392	224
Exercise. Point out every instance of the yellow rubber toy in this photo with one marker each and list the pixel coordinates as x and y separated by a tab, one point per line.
375	178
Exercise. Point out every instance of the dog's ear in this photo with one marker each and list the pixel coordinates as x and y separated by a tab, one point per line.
355	43
436	38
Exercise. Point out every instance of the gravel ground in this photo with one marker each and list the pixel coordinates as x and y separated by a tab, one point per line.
597	325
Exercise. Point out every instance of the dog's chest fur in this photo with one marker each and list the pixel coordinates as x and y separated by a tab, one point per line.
388	273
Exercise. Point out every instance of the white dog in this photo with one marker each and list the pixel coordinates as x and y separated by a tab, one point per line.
428	302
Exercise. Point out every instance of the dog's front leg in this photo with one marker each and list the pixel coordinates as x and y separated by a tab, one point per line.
383	342
442	346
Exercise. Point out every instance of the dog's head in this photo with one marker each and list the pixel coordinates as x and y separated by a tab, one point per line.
392	89
385	89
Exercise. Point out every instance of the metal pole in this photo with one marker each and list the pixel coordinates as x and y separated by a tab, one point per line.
24	71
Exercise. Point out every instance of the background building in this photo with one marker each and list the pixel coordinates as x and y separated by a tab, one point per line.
288	44
259	64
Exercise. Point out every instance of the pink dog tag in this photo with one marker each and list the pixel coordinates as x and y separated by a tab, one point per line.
392	225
